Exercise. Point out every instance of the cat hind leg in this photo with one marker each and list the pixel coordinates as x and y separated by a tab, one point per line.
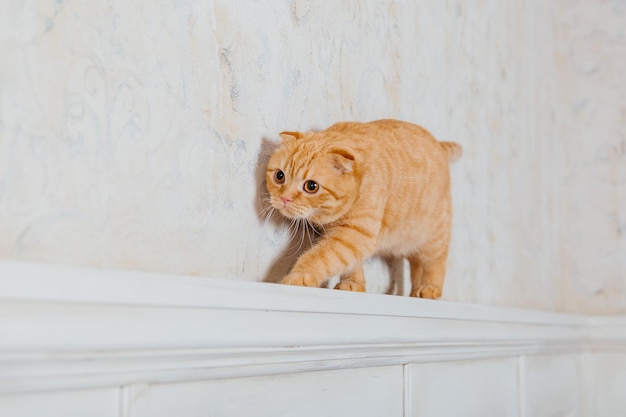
427	277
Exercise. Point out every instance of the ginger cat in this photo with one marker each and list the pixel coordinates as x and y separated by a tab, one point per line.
378	188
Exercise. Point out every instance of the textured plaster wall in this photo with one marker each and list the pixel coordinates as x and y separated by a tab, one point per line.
591	61
133	134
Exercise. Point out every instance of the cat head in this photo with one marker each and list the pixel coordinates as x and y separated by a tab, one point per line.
309	178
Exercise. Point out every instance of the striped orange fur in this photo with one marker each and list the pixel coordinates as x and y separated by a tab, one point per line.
377	188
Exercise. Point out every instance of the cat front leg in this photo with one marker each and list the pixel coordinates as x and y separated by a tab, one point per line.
342	249
302	279
352	281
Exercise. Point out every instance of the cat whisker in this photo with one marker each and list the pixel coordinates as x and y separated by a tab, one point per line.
297	226
263	201
308	226
308	231
293	231
315	227
305	232
267	213
296	230
267	209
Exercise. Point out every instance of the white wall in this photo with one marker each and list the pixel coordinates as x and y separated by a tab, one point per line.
131	133
591	59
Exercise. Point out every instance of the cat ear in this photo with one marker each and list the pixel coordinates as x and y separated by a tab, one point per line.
342	160
290	135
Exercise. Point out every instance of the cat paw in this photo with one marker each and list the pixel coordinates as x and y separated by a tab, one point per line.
303	280
350	286
426	291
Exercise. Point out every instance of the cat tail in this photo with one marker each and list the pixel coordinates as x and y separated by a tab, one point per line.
453	150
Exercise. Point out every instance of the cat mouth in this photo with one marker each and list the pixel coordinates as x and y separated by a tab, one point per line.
292	212
288	212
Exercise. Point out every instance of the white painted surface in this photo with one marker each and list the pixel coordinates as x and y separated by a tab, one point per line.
57	320
131	134
76	403
607	383
591	197
44	282
470	389
117	343
552	386
370	392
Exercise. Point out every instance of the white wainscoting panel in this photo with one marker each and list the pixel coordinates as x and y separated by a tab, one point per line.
607	384
552	386
84	342
367	392
73	403
466	388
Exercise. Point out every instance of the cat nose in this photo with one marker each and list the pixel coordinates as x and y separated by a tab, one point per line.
285	199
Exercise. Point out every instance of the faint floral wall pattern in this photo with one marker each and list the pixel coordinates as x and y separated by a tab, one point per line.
591	62
133	134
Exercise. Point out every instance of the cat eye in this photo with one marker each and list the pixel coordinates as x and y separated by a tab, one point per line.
311	187
279	176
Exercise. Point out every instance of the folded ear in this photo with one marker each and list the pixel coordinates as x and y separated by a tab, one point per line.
342	160
290	135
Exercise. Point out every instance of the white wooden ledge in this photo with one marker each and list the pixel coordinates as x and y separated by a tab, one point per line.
63	328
